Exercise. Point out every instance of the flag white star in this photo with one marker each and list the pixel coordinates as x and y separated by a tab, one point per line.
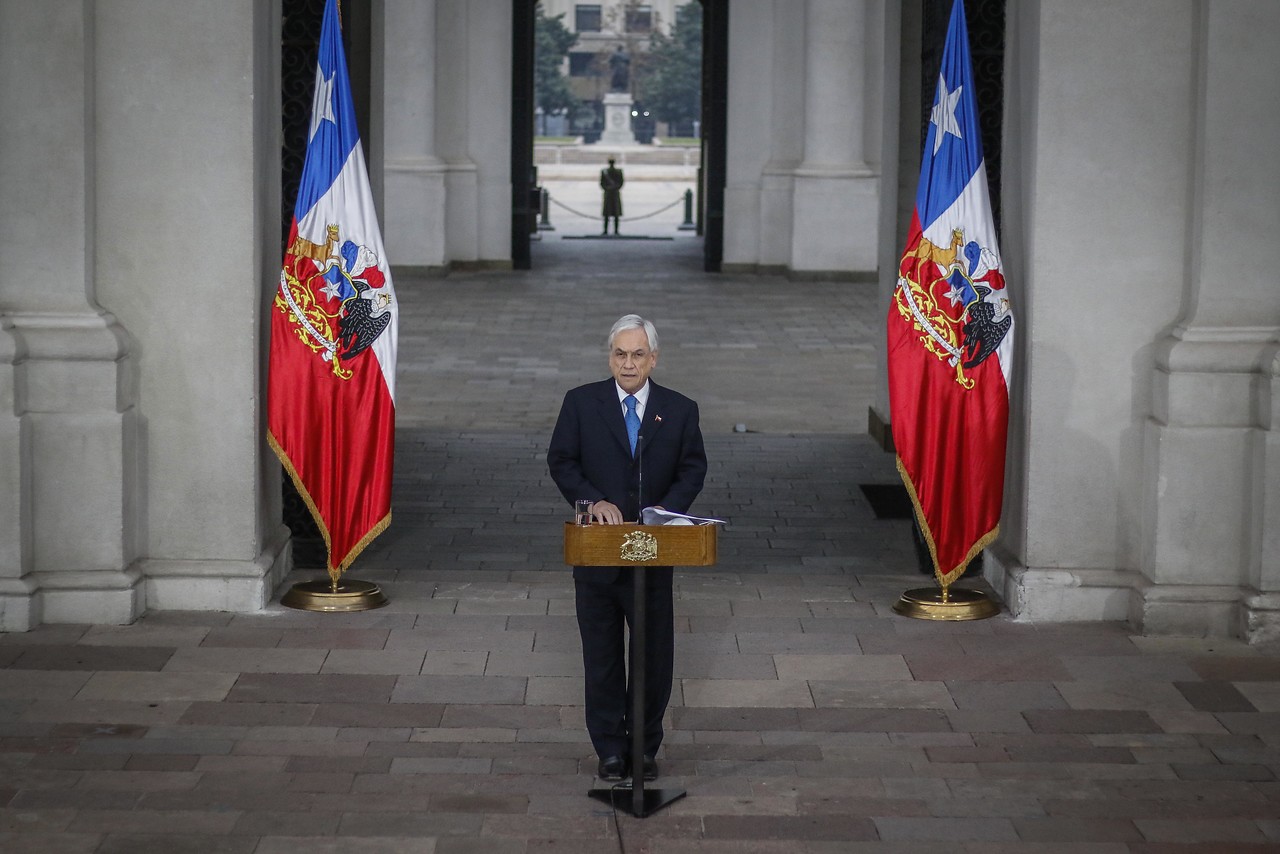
333	290
944	113
322	106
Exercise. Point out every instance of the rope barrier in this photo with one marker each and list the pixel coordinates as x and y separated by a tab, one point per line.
553	201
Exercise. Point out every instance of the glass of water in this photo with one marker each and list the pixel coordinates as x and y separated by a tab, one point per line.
582	511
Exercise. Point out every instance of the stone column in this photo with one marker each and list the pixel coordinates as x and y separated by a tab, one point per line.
1143	460
414	219
489	126
1261	618
473	129
188	256
1211	436
453	121
1095	262
836	191
766	126
68	425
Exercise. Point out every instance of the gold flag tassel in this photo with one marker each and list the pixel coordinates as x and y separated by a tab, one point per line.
335	594
941	602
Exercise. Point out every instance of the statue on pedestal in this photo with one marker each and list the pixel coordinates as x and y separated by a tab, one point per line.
620	71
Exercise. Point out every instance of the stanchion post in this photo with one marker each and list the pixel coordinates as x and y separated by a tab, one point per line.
688	225
544	224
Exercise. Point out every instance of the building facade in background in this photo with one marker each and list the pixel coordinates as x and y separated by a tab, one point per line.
603	29
1140	233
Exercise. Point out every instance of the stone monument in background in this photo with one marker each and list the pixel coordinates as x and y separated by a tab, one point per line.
617	103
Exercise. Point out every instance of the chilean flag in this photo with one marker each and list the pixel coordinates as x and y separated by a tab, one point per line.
331	393
950	332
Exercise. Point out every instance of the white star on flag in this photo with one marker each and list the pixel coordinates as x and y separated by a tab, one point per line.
944	113
333	290
322	104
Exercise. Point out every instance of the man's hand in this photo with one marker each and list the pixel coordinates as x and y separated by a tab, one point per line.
606	512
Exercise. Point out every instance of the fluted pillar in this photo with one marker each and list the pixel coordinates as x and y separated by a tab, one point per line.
140	235
834	83
1261	613
68	425
836	191
414	180
1210	441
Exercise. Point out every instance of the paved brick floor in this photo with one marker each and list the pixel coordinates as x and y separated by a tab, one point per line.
807	718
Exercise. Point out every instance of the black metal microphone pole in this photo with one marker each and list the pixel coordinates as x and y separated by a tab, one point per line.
637	654
640	478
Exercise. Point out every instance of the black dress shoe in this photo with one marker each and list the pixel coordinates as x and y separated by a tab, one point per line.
612	769
650	768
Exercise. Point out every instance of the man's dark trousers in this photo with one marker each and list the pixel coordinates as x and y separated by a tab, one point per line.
602	608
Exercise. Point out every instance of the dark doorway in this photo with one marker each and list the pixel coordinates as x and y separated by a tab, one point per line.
715	110
524	206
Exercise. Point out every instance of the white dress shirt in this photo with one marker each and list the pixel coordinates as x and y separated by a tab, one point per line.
642	398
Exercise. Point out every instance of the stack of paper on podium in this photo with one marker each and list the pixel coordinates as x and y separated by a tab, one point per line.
658	516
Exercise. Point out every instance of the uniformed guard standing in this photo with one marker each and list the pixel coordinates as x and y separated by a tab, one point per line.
611	183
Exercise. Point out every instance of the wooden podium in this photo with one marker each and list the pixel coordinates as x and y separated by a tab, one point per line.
629	545
639	545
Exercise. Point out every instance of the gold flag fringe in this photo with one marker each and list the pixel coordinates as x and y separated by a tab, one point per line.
944	579
335	572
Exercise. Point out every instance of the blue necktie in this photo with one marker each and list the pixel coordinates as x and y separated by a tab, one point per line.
633	421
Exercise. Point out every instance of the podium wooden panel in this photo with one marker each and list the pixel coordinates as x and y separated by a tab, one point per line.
603	545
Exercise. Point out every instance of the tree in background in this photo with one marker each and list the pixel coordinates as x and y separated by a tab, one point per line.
673	82
552	41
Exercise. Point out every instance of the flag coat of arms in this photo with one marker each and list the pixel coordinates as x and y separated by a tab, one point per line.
331	390
950	332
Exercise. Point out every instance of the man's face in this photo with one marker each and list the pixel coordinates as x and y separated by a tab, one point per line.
631	360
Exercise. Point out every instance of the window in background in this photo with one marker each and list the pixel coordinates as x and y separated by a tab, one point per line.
581	64
639	19
587	17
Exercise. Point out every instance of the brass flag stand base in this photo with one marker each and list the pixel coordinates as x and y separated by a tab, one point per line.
342	595
933	603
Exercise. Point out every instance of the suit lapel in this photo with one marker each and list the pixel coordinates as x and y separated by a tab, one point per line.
652	413
611	413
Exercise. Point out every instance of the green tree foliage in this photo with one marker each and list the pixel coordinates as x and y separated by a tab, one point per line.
673	84
552	43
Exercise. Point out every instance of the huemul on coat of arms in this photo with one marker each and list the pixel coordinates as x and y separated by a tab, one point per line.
955	297
334	294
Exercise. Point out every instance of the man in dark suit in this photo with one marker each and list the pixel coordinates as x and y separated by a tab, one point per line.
608	433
